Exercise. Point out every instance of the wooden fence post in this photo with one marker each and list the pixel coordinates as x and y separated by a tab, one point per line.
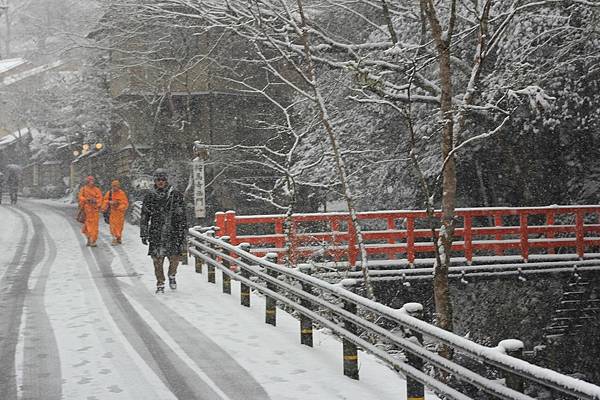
415	390
306	325
280	241
350	350
226	279
513	348
551	232
271	303
220	223
524	235
245	289
231	227
352	244
579	233
498	223
468	238
410	239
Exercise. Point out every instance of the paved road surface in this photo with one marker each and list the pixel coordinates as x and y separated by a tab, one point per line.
84	324
88	288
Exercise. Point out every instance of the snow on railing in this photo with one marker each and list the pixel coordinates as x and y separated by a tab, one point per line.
407	233
297	290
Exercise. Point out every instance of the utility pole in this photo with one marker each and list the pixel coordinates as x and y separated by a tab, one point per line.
4	11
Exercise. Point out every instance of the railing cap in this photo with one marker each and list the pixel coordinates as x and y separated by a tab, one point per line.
413	308
510	345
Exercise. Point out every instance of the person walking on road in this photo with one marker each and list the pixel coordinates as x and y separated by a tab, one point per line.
163	226
90	201
12	181
115	203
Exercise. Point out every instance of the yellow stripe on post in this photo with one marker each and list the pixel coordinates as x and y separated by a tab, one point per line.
351	358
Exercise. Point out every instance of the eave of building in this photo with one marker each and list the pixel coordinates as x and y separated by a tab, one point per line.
195	93
11	79
11	63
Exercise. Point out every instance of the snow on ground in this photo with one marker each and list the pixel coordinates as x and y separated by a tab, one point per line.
99	360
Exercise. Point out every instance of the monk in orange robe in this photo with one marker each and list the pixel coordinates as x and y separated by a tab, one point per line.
90	200
116	199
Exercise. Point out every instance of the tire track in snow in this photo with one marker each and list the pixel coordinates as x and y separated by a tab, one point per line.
219	367
98	360
13	291
41	367
181	380
217	364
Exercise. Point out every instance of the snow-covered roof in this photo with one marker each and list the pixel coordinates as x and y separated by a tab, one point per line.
30	72
17	135
137	146
11	63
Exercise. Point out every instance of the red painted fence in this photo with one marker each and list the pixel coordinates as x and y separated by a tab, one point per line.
402	233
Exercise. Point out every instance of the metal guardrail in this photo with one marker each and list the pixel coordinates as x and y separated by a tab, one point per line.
350	316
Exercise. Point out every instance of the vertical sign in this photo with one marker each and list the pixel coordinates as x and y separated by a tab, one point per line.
199	195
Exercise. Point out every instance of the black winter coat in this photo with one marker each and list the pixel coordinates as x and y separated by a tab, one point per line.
163	222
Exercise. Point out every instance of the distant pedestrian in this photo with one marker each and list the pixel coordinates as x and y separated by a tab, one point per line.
163	226
1	186
12	182
90	201
115	203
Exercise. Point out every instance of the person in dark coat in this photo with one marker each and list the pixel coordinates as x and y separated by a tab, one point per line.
13	185
163	226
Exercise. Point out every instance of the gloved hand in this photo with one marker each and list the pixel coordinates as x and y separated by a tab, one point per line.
145	241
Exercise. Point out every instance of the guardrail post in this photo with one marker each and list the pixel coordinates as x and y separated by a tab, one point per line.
513	348
271	303
226	278
209	267
245	289
197	263
306	325
350	350
579	233
524	236
415	390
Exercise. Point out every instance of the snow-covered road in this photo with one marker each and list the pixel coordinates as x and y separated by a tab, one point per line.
84	324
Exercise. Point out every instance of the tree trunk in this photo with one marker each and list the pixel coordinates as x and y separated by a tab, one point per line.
442	39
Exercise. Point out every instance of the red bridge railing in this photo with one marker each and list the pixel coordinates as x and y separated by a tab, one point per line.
406	234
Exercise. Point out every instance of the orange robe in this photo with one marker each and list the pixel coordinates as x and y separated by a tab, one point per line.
117	212
90	199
